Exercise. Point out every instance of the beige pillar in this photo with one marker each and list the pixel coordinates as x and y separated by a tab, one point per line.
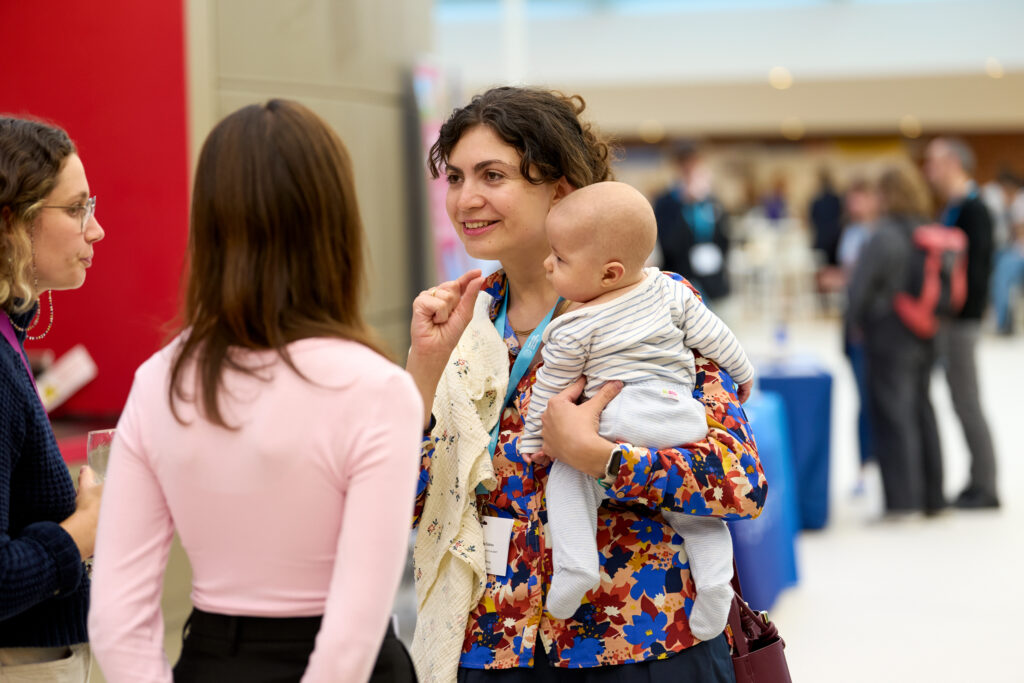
347	60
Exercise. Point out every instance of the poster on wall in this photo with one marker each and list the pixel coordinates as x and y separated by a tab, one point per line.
436	93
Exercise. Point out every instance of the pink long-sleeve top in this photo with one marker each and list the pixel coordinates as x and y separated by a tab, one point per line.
304	510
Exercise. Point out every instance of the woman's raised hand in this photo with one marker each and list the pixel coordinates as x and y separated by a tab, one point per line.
439	317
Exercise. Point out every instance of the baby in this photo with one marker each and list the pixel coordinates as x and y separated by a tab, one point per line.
636	325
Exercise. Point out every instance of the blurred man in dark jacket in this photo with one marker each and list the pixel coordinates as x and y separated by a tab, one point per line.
826	213
949	164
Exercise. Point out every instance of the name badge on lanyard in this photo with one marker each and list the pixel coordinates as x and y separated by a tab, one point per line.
497	538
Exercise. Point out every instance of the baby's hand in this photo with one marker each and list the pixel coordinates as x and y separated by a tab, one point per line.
743	390
537	458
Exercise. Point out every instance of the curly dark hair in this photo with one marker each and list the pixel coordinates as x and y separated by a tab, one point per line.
544	126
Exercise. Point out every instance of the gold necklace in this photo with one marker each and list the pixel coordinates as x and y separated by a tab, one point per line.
559	310
35	319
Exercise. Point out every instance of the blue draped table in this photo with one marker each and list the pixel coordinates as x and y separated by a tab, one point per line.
806	388
764	547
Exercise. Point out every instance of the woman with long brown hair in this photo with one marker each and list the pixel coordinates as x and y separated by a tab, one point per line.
48	232
271	434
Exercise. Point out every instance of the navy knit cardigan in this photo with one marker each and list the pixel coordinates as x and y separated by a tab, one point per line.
44	589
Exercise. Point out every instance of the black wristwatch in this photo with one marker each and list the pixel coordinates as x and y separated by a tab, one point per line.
611	470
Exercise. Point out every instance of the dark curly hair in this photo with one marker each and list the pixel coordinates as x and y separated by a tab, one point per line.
544	126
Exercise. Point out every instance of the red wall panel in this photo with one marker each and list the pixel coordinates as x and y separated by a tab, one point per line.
112	73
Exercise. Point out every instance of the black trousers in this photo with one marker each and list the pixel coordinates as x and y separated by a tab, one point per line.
707	662
223	649
906	435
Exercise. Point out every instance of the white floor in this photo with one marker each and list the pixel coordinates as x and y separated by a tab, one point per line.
916	600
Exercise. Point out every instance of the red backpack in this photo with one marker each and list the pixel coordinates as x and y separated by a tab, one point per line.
937	281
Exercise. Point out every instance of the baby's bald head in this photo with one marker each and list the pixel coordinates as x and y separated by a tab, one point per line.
613	218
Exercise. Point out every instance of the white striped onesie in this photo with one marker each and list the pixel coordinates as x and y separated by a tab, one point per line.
643	338
644	335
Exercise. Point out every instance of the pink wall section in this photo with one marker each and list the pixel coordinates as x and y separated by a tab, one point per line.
112	73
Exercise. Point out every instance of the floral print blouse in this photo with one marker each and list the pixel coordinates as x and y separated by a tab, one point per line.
640	610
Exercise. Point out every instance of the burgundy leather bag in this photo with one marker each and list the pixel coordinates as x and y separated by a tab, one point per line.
758	651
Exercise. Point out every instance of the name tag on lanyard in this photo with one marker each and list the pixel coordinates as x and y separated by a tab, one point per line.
497	538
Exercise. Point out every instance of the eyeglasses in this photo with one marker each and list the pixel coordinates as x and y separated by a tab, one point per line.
85	210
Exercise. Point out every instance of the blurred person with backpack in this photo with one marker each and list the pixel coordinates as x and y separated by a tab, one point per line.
949	165
898	361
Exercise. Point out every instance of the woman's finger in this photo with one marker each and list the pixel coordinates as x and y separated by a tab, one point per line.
428	306
450	297
87	477
468	277
441	314
468	297
572	392
448	301
604	395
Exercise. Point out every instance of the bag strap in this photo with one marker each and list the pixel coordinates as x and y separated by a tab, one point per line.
8	331
748	627
739	636
736	579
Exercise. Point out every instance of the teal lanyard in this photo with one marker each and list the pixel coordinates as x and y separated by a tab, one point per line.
523	361
952	213
701	217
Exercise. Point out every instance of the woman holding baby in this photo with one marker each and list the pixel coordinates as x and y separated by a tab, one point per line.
483	553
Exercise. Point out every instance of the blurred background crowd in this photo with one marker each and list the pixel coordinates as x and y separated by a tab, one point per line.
761	131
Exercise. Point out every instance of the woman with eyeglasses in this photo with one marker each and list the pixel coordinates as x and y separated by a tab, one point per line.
47	234
272	434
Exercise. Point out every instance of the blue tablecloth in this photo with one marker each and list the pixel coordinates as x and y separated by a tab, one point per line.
806	388
765	554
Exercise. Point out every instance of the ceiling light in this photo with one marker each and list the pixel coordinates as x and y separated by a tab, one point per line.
792	128
910	126
993	68
651	131
780	78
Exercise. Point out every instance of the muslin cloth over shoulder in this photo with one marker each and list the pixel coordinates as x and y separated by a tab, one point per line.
449	552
